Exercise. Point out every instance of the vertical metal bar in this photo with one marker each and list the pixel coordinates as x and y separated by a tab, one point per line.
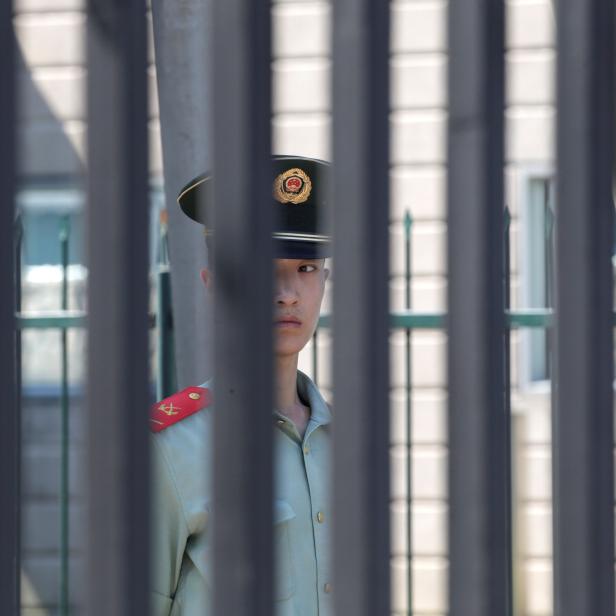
10	433
506	290
19	236
64	403
183	33
18	243
583	413
408	224
478	478
361	302
243	308
118	214
550	282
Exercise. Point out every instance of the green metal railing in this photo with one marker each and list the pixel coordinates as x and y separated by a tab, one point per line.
66	319
539	318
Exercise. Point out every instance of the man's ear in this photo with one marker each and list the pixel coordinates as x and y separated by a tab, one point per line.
207	278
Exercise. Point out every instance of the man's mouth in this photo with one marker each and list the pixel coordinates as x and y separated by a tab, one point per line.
287	321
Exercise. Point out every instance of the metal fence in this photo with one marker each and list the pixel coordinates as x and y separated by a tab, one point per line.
161	323
477	321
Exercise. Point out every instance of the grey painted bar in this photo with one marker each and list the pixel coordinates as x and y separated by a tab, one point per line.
10	433
360	324
181	35
242	308
117	251
478	477
583	411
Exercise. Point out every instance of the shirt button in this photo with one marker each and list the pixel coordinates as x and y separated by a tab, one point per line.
194	396
306	450
327	588
320	517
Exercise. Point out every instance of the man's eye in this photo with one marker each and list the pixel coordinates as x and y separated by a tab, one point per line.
307	268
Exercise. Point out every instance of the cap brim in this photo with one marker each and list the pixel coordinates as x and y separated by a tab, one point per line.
291	249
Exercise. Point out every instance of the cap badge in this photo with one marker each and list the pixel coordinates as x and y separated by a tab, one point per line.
292	186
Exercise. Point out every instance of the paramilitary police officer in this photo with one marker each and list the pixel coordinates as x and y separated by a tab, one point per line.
182	425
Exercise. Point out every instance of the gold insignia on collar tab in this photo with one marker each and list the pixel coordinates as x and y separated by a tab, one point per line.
169	409
292	186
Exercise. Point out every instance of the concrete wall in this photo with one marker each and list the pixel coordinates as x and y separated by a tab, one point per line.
52	123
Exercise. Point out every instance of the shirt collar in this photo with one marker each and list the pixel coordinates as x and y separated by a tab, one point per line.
320	412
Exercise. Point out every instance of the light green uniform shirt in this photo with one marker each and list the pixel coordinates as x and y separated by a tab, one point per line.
182	496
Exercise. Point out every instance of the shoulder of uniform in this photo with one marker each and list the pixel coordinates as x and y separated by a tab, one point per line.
179	406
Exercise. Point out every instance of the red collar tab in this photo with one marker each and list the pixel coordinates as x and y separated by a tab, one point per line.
178	406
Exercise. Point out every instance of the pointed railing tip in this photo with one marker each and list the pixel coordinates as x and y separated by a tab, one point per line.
18	225
65	228
550	219
18	230
163	257
408	222
507	218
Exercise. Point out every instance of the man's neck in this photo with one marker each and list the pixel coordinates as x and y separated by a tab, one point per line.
286	396
287	399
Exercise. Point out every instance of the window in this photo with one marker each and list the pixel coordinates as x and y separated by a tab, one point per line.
44	212
46	209
536	272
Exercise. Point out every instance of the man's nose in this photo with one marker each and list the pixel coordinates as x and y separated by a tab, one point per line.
286	294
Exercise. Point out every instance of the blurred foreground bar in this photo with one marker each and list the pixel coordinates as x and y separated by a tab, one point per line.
243	308
117	250
361	357
479	483
10	433
583	431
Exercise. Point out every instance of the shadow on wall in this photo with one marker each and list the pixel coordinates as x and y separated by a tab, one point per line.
51	132
29	596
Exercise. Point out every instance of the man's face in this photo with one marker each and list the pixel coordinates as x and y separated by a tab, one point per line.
299	285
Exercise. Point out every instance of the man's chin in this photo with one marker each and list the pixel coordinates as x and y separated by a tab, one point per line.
286	350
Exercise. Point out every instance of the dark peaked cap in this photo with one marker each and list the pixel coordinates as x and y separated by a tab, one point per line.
300	196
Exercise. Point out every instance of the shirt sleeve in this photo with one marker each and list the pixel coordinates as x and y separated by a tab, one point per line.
169	532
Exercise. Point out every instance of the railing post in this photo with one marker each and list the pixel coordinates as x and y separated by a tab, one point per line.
65	428
10	433
479	483
243	254
583	434
408	295
361	491
117	250
182	41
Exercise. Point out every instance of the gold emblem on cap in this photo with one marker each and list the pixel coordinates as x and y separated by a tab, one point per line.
292	186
